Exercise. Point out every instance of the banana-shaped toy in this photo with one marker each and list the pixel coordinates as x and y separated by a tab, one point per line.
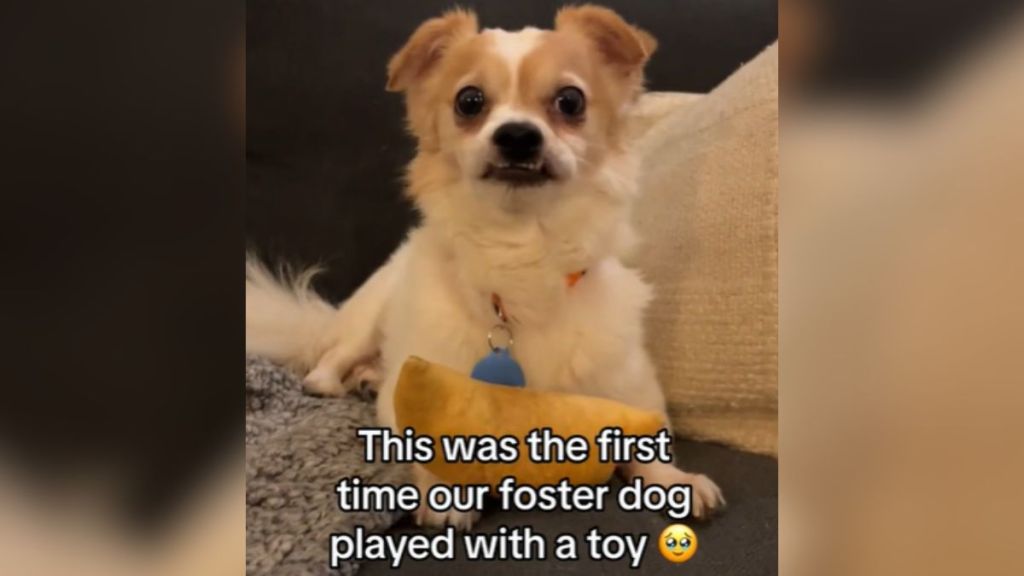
438	401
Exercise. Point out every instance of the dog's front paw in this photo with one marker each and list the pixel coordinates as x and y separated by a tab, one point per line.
428	518
324	381
706	496
328	378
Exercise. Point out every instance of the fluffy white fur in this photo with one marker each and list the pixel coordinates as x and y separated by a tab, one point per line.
432	298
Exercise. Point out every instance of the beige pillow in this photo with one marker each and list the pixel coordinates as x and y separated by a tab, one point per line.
709	244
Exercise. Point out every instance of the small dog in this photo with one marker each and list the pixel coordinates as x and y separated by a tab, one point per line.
525	186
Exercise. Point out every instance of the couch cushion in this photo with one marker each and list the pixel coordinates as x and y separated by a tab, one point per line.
708	225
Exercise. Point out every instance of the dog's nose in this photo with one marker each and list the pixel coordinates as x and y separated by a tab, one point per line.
518	141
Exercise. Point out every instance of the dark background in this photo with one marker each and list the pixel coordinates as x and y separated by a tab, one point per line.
326	145
121	242
890	50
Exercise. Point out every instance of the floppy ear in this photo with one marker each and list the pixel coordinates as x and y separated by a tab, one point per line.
621	44
426	46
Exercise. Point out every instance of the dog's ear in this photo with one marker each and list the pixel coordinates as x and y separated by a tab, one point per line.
621	44
426	46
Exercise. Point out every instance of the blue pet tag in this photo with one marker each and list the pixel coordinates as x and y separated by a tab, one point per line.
499	367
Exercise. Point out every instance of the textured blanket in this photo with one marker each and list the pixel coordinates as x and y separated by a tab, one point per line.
297	448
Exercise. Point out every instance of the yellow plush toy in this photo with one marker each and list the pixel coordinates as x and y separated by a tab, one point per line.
437	401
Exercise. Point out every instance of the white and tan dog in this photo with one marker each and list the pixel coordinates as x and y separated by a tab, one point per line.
524	184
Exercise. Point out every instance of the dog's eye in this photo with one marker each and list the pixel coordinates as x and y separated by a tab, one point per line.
570	102
469	101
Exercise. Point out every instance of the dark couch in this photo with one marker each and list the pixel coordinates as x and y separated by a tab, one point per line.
325	152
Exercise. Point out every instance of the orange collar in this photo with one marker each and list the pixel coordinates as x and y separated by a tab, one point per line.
571	279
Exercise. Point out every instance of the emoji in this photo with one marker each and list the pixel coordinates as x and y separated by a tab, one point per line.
677	543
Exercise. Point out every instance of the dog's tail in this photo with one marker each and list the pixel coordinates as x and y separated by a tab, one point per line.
285	320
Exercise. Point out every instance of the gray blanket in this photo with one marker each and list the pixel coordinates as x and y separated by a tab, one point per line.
297	447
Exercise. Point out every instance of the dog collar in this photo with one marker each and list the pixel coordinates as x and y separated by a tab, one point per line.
499	367
571	279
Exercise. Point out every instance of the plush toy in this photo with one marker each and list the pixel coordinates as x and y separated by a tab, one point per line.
437	401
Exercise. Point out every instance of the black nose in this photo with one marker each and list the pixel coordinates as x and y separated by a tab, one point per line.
518	141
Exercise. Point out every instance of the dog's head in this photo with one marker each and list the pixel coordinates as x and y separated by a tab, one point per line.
520	113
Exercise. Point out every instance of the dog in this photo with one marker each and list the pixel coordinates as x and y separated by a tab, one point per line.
524	182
